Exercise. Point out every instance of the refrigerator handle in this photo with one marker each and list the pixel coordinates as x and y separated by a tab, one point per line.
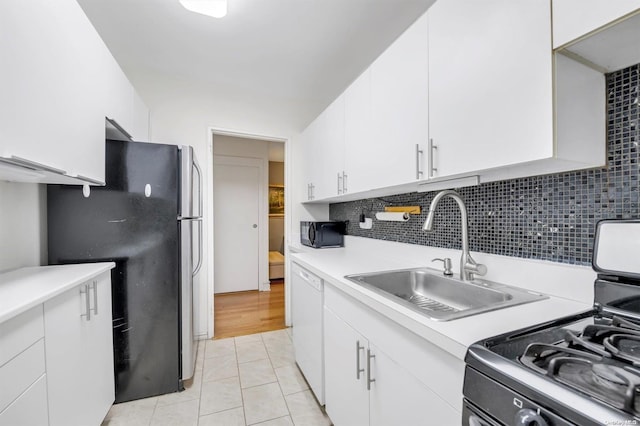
199	264
200	206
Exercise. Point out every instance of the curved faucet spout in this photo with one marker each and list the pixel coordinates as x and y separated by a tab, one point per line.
468	267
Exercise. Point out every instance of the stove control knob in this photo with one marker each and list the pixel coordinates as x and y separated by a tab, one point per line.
528	417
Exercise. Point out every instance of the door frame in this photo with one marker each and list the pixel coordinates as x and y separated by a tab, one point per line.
211	133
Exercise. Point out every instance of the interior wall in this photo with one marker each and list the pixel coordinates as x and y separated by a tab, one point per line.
23	225
182	114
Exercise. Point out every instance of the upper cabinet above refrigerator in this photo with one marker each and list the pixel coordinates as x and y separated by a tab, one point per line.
604	34
58	83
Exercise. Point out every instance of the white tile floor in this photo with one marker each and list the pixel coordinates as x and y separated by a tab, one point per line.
248	380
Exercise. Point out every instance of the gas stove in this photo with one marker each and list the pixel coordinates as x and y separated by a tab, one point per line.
578	370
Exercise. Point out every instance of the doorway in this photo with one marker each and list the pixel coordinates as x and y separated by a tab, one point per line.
248	236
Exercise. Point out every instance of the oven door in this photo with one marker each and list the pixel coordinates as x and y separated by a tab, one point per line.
471	416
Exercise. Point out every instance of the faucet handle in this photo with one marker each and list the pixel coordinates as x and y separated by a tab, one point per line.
447	265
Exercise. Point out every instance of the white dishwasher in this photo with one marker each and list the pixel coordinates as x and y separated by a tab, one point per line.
307	318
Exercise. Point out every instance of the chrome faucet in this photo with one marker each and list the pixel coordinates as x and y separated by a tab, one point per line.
468	266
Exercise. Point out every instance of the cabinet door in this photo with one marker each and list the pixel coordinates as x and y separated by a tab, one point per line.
329	151
100	395
66	335
307	166
399	398
51	84
574	18
400	110
358	135
79	354
490	83
346	395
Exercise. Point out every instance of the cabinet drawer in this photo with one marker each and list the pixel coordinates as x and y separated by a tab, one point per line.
20	373
30	409
20	332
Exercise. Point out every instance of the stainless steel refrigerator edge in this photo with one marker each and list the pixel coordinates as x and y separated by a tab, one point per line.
190	217
147	219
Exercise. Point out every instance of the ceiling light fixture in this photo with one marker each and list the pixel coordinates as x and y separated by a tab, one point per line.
215	8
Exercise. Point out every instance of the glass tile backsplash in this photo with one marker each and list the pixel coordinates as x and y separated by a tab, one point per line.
549	217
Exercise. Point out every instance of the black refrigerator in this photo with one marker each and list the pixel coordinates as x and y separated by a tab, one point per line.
146	219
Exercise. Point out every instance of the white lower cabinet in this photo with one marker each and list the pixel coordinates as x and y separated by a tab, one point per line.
345	388
79	354
30	408
365	386
23	391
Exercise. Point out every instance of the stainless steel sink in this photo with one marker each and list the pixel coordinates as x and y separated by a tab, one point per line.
441	298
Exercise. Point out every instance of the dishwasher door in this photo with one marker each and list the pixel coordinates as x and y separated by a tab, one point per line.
307	318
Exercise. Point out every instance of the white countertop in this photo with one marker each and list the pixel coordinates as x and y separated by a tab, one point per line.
570	288
24	288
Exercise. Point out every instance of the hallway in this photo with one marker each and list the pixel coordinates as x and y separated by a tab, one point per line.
249	312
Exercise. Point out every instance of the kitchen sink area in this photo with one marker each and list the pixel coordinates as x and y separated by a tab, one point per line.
443	298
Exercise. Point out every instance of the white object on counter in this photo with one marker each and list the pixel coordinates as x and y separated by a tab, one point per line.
393	216
367	224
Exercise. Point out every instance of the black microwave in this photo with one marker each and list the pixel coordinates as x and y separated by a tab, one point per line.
322	234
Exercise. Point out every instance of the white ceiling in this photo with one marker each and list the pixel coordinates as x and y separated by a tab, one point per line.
302	52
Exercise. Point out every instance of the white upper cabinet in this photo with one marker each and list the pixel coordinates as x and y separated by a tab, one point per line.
573	19
323	153
604	33
58	83
329	151
49	109
490	84
397	124
362	158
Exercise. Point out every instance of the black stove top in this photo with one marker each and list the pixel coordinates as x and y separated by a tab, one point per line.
601	361
583	369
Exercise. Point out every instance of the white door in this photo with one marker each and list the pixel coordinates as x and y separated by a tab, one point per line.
236	207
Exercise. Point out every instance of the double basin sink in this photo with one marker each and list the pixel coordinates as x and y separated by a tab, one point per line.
440	297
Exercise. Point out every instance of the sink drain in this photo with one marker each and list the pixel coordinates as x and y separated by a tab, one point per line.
427	304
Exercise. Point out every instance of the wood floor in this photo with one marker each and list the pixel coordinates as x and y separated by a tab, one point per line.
249	312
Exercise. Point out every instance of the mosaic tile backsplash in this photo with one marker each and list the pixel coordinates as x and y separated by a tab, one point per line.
549	217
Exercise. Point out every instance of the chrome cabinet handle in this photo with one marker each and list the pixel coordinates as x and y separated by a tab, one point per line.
339	184
419	152
358	369
430	168
95	297
369	379
312	188
87	302
344	182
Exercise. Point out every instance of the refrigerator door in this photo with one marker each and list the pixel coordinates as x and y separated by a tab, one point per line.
132	221
190	184
191	249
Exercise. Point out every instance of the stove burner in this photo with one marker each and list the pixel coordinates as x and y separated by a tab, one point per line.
625	347
599	362
606	374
